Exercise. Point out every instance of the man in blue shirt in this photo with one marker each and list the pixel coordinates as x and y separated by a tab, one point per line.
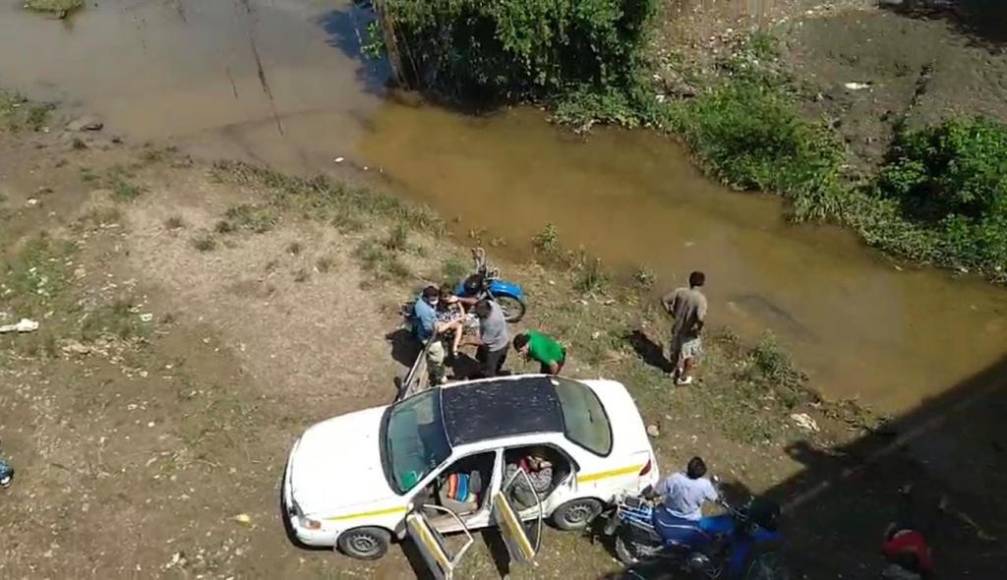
426	328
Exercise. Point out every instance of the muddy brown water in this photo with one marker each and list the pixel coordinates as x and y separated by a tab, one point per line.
278	82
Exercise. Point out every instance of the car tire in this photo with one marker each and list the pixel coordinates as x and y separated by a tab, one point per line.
364	543
576	514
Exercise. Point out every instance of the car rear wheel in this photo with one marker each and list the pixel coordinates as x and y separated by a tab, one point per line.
365	543
576	514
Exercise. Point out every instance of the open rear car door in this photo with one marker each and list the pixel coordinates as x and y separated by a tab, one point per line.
523	538
441	558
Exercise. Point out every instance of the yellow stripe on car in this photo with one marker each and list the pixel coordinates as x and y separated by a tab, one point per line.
610	473
384	512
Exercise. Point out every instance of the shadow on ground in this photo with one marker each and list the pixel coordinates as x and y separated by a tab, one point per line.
985	21
951	445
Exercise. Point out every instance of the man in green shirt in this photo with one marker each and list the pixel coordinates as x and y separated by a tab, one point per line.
543	348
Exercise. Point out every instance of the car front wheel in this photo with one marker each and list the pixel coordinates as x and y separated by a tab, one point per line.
364	543
576	514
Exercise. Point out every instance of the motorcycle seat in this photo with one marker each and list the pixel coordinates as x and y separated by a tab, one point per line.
678	532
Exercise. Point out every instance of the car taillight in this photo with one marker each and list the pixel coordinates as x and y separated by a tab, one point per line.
647	467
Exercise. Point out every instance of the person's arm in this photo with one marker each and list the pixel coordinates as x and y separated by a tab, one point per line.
711	492
668	301
661	489
553	367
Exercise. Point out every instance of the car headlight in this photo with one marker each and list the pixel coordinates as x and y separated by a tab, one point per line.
309	523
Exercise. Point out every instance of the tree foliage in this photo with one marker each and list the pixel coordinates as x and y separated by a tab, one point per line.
492	50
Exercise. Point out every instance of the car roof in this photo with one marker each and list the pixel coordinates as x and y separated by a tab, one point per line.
496	408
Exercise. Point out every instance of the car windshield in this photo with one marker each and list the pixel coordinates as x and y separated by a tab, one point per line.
584	417
415	442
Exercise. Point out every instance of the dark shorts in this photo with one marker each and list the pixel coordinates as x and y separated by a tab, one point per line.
544	368
490	362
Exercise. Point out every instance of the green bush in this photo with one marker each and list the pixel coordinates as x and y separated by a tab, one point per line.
950	180
491	50
751	135
957	168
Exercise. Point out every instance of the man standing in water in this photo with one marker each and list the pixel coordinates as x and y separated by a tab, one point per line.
688	308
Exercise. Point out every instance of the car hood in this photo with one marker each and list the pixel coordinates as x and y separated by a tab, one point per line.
336	465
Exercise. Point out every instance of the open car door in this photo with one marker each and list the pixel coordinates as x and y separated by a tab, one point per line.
523	538
440	558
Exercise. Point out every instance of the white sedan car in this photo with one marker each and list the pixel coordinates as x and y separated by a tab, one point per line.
445	460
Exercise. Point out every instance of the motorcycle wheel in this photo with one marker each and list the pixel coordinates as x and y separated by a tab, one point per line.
513	308
625	552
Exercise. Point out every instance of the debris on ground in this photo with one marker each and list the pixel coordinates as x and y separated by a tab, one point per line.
804	421
653	431
75	347
6	474
25	325
243	519
857	86
86	123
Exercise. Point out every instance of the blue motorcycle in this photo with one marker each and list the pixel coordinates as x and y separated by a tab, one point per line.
737	545
486	283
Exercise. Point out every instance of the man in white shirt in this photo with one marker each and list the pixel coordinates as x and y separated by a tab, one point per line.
685	493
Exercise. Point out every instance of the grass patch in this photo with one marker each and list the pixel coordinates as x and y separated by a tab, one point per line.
18	113
36	277
122	189
749	133
324	264
204	242
257	219
118	320
382	264
398	239
454	270
61	7
590	277
322	199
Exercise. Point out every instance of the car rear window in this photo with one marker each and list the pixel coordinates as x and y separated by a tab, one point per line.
584	418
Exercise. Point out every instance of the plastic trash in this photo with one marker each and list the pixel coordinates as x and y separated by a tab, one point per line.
24	325
6	474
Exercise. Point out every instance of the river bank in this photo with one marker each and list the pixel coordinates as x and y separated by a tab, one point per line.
842	93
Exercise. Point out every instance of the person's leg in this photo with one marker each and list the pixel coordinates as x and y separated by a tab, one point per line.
482	356
675	356
435	363
500	360
458	329
684	368
688	355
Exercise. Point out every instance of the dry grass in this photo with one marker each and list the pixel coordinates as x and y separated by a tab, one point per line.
61	7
